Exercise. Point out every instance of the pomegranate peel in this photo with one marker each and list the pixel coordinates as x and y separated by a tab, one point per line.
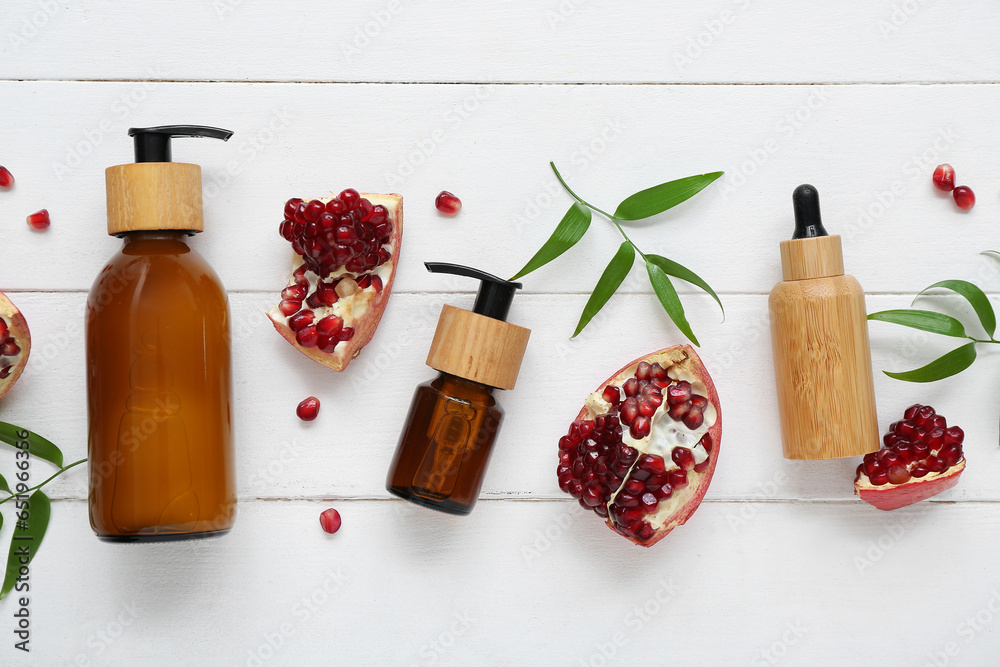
346	249
15	344
921	457
646	480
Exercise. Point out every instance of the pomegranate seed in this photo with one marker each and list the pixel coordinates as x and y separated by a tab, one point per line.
364	281
330	325
295	292
898	474
308	409
642	371
336	207
953	436
964	197
880	478
919	471
366	208
327	343
694	418
9	348
677	478
4	330
307	337
629	411
326	294
679	393
300	320
379	216
612	394
640	428
6	178
291	206
289	307
5	372
350	197
448	203
631	387
330	520
683	457
377	284
39	220
649	502
347	333
944	177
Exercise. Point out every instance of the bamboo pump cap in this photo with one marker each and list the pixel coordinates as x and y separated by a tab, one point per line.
810	253
479	345
154	193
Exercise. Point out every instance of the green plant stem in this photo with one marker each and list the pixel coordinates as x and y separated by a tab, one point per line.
607	215
35	488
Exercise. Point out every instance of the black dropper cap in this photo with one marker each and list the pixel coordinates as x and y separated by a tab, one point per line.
152	144
808	224
495	294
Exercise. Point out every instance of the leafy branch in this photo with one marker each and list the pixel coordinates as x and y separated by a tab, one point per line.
31	513
644	204
963	356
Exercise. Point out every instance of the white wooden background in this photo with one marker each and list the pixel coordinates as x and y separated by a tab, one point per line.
781	565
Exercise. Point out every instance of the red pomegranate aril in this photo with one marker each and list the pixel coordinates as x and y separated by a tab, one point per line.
9	348
880	478
694	418
291	206
919	471
327	343
612	395
366	208
330	325
39	220
308	409
951	454
289	307
287	230
379	216
336	207
301	320
629	411
905	428
307	337
965	198
6	178
631	387
649	501
364	281
330	520
350	197
898	474
683	457
4	330
640	428
345	234
326	293
377	283
313	210
448	203
347	333
679	393
944	177
953	435
591	497
294	292
327	221
5	372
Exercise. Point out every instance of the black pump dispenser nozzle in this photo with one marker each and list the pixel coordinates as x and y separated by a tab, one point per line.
808	224
495	294
152	144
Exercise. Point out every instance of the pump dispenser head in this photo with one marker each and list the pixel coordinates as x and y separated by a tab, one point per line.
154	193
479	345
811	252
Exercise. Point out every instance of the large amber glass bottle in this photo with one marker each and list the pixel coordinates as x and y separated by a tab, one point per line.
160	433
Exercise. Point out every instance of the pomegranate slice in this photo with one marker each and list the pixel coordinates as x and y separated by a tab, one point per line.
643	449
921	457
15	344
346	249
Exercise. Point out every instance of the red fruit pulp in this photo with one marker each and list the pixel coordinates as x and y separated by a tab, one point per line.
330	520
39	220
308	409
6	178
965	198
642	451
448	203
921	457
944	177
15	344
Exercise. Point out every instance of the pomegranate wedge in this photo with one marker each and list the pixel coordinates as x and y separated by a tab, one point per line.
15	344
346	249
921	457
643	449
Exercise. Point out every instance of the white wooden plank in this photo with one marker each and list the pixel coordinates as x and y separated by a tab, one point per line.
346	452
572	40
524	583
872	168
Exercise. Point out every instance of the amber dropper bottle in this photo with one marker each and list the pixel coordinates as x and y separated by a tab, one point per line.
454	419
158	359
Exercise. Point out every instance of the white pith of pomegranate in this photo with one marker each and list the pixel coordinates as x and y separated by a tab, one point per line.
921	457
15	344
346	248
643	449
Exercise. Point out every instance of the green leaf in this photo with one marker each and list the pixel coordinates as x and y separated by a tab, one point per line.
570	230
27	538
37	445
672	268
610	280
975	296
659	198
667	295
925	320
5	488
950	364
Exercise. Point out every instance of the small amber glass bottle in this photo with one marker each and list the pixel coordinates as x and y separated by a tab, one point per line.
158	360
445	446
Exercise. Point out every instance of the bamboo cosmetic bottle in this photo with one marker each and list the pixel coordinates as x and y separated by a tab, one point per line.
819	332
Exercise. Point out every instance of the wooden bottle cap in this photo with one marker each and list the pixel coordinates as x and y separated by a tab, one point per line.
478	348
150	196
815	257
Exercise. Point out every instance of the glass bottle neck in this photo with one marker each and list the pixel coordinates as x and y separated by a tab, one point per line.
462	385
155	235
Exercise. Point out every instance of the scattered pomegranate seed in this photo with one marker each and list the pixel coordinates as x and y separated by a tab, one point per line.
6	178
448	203
964	197
330	520
39	220
944	177
307	411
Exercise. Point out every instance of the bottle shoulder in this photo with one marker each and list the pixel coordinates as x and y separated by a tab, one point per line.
829	287
133	268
